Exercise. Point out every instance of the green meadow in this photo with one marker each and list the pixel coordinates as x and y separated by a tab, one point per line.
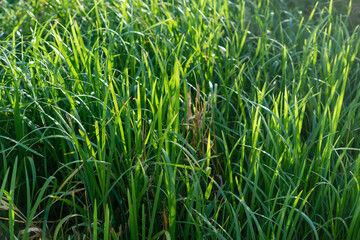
179	119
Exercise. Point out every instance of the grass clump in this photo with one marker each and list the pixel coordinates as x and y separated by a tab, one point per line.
179	120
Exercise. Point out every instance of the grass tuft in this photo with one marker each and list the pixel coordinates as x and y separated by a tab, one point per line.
148	119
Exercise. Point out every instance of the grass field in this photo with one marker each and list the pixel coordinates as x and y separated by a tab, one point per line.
179	119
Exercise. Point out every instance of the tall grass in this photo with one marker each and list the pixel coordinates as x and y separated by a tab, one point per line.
179	119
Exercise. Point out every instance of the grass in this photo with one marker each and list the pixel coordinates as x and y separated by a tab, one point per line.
179	119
